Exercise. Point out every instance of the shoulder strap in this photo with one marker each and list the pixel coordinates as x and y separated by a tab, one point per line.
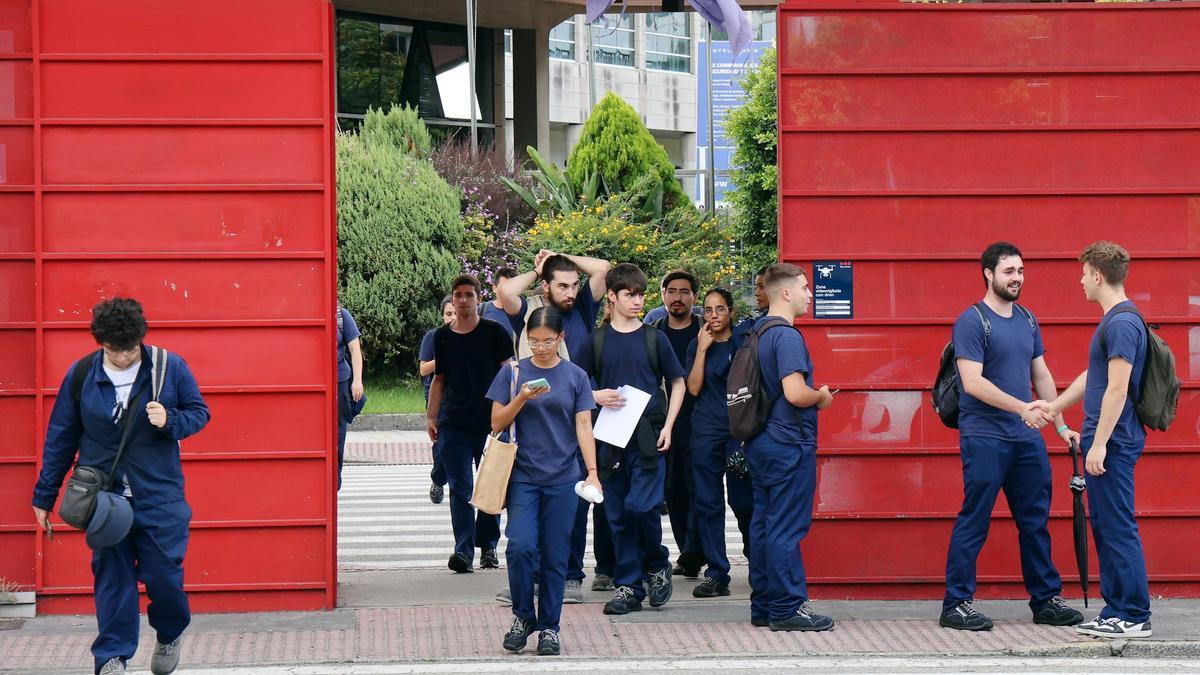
658	323
126	427
651	337
1123	310
987	325
340	320
1028	317
79	375
512	427
158	371
597	348
775	322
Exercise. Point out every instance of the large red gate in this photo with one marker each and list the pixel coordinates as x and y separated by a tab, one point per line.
178	152
911	137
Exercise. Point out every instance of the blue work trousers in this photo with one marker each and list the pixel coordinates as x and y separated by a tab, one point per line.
601	541
1123	581
151	553
540	519
461	452
631	494
708	467
784	479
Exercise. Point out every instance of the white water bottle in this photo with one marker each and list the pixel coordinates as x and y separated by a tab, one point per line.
588	493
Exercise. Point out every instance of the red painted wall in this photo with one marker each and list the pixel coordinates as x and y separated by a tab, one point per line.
180	153
911	137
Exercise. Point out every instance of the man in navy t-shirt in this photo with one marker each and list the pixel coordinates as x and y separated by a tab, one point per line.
426	365
783	460
1113	440
491	310
468	352
633	476
1000	358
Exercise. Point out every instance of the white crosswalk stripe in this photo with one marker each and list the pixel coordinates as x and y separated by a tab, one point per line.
386	521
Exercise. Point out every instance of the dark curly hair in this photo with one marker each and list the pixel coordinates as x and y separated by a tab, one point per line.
119	323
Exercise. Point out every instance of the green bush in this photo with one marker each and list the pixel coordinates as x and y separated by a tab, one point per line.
754	198
399	230
400	127
618	147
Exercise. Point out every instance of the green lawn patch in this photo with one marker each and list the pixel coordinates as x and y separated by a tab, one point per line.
394	395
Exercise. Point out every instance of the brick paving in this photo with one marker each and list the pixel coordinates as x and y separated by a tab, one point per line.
380	635
389	452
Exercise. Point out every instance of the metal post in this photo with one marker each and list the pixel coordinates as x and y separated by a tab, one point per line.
710	183
471	73
591	61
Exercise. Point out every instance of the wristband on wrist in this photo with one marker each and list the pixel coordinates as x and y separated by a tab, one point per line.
1062	428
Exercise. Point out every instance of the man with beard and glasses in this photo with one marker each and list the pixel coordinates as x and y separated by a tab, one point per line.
579	305
1000	358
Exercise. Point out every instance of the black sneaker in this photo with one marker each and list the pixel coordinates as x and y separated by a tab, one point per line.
1115	628
623	602
1055	612
518	634
803	619
760	621
489	560
710	588
660	587
688	563
964	616
603	582
436	493
460	563
548	644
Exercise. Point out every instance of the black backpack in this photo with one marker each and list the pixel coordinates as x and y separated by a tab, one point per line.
945	386
1159	399
745	397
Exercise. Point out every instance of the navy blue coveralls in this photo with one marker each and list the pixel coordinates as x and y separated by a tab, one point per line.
154	549
1000	453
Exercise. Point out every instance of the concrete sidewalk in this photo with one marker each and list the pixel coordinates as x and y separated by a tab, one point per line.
431	615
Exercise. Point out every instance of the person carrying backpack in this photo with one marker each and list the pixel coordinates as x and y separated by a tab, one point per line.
121	412
351	398
782	454
999	357
1118	395
627	352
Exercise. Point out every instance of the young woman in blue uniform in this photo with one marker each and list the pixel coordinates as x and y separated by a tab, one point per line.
708	359
553	433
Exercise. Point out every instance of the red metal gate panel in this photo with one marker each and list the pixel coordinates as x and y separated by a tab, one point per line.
911	136
179	153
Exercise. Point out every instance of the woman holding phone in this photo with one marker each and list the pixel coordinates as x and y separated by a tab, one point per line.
552	412
708	361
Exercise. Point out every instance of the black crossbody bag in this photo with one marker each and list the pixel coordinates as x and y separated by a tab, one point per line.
87	482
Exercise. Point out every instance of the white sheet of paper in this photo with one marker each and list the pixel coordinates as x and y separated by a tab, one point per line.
615	426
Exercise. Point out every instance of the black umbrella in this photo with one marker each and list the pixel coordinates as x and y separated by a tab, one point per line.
1079	518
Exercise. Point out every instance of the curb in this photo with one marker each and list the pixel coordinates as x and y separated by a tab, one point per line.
389	422
1147	649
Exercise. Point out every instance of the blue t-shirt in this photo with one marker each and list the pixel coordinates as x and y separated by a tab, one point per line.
625	361
349	333
577	323
1125	337
1012	345
493	313
660	312
710	416
426	354
781	352
547	447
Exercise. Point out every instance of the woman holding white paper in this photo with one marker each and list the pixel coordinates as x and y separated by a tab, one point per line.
551	414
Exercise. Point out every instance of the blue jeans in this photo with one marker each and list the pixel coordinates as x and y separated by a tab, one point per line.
540	518
785	480
1022	470
152	553
1123	581
461	451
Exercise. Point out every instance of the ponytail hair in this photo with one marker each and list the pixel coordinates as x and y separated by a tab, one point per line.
546	316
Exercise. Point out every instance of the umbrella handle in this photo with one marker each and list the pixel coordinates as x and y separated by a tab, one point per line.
1077	482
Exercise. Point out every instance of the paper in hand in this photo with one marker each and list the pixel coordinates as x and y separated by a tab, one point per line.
615	426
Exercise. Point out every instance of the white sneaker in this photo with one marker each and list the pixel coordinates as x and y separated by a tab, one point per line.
1115	628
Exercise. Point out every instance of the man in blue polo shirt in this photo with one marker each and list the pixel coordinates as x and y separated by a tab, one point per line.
1113	440
999	353
783	460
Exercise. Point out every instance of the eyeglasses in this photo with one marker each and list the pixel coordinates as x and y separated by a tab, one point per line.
122	352
719	309
542	344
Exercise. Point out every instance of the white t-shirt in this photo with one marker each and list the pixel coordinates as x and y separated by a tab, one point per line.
122	384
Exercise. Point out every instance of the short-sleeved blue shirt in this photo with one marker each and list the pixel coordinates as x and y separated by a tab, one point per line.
493	313
661	312
577	323
710	416
1011	346
547	447
625	361
349	333
781	352
1125	337
426	354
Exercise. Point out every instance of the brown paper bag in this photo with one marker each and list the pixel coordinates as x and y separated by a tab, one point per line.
491	482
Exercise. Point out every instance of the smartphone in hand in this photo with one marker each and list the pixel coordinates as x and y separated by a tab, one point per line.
539	383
